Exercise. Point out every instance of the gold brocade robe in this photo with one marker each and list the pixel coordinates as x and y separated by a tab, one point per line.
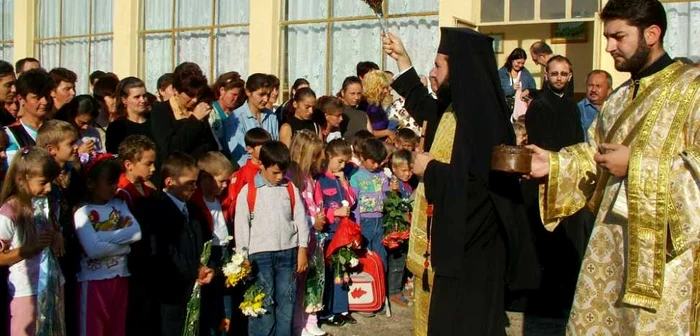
641	270
441	149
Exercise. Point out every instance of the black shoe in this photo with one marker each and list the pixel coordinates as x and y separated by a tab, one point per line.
334	321
348	319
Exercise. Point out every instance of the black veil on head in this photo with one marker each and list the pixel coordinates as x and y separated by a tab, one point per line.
478	100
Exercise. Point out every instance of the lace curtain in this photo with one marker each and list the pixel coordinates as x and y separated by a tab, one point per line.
353	41
227	52
68	37
683	36
6	30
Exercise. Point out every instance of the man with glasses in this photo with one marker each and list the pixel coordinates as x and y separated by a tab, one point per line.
553	122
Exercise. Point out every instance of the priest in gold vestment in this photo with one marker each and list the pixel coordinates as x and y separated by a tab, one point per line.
640	174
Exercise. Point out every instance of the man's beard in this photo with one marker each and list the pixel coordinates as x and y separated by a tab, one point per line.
637	61
558	91
444	93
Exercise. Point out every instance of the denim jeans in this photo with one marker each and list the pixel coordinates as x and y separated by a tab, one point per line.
275	272
372	233
396	265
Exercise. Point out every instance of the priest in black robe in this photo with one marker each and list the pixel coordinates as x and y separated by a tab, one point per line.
480	242
553	122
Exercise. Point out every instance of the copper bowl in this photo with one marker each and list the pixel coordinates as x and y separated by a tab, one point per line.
511	159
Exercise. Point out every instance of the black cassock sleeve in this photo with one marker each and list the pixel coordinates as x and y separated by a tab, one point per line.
435	180
538	132
419	103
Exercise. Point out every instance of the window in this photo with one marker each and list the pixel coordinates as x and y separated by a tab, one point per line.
682	38
6	35
211	33
75	34
496	12
324	39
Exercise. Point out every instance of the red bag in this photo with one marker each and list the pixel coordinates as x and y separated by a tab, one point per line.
367	285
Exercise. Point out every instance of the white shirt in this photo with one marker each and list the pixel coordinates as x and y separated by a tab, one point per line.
105	242
23	279
220	237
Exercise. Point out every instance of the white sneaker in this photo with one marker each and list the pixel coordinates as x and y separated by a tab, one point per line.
313	331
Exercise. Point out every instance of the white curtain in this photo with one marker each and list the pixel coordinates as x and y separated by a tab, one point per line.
231	52
421	39
682	37
230	44
6	29
353	41
82	55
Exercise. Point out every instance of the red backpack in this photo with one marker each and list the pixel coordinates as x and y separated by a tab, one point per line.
253	192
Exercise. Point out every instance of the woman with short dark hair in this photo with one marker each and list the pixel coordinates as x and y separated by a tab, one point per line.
181	124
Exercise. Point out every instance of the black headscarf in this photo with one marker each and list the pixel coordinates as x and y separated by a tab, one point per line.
478	100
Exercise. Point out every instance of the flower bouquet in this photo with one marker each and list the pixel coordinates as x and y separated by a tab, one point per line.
376	6
193	305
50	309
343	260
237	269
316	277
252	304
340	252
396	220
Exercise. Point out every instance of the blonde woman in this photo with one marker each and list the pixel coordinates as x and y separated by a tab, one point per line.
375	87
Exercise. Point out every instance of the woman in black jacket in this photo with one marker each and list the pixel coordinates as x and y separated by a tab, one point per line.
180	124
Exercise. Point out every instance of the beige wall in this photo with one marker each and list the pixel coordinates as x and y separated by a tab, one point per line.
580	54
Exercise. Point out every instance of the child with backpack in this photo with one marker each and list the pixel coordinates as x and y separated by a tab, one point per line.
274	237
333	191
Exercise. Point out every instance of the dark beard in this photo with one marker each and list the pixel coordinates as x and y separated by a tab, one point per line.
444	93
557	91
637	61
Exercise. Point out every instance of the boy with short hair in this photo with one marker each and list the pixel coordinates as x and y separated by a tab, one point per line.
370	184
273	232
178	238
255	138
137	154
401	163
64	87
407	139
60	139
34	93
214	173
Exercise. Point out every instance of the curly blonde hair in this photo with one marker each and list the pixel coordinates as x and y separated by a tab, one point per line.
374	86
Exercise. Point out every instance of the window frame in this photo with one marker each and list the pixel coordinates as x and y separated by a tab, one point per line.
329	20
90	36
173	31
11	42
536	18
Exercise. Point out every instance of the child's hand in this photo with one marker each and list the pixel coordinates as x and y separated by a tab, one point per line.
43	240
319	221
205	275
342	212
302	260
394	185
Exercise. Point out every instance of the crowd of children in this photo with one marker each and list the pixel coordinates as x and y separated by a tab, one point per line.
112	255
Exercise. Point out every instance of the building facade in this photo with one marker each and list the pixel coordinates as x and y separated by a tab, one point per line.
320	40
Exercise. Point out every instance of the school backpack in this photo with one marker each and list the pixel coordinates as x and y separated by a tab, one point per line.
367	286
253	192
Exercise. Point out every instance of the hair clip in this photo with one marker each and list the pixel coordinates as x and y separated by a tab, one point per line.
25	150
